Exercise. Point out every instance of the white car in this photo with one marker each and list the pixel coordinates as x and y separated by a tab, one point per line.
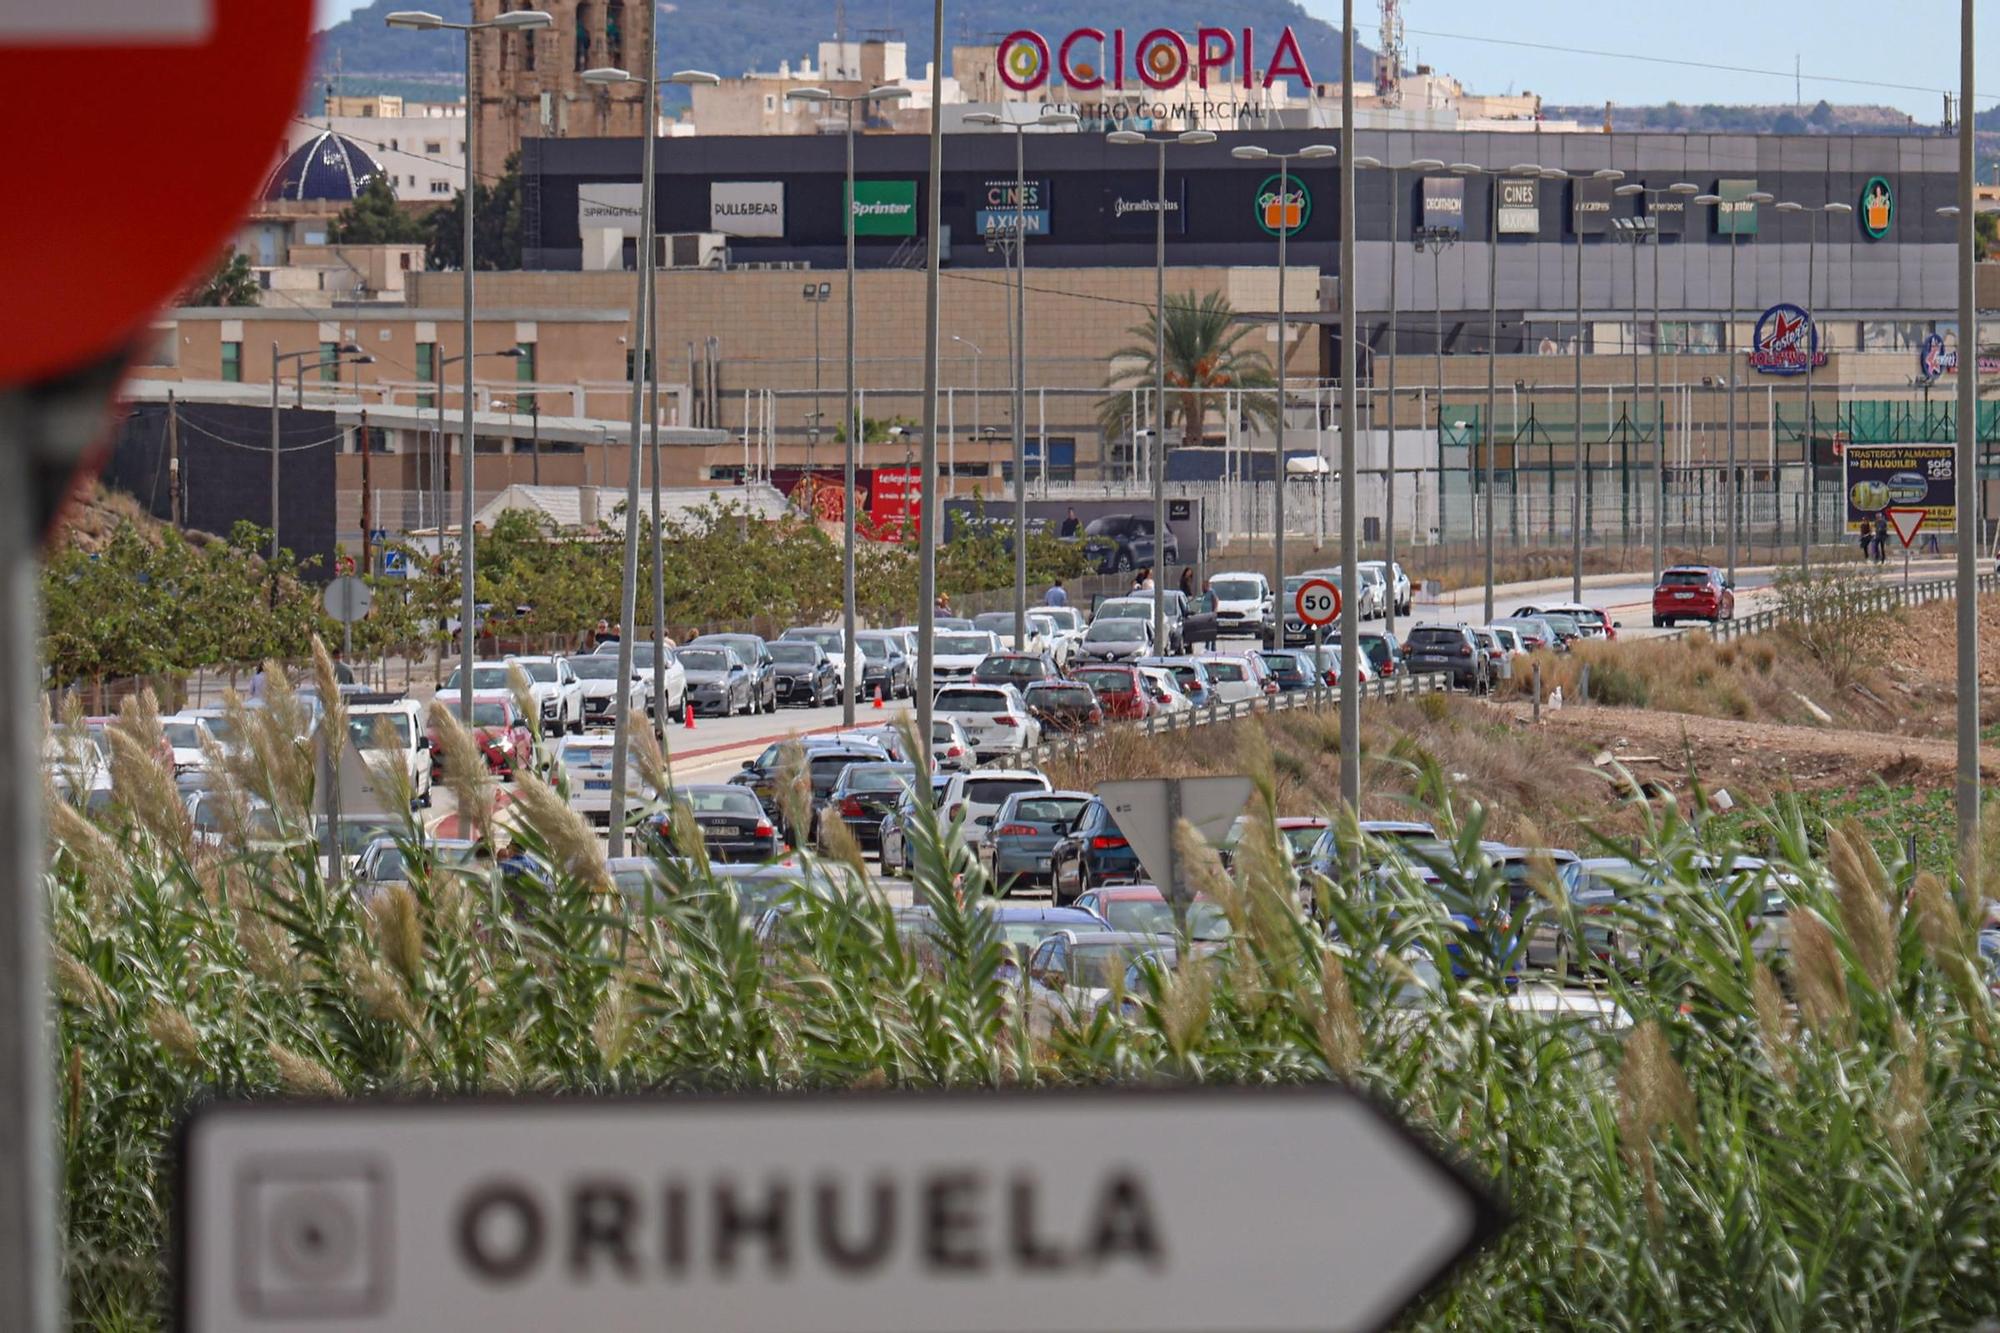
1242	602
584	765
556	690
1067	627
1001	625
974	798
995	717
185	734
1061	645
1166	691
603	700
951	748
1591	622
1235	676
1509	639
1396	575
957	653
399	723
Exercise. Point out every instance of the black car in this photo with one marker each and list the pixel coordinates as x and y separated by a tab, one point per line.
1119	542
1017	669
1063	705
893	838
805	674
884	666
734	825
1449	648
760	775
863	796
1092	851
824	767
756	655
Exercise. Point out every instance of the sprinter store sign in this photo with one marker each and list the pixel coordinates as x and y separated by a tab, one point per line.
1088	59
884	208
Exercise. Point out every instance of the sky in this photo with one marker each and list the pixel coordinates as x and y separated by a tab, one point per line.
1911	43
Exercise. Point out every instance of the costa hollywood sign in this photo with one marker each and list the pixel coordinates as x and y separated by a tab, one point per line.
1088	59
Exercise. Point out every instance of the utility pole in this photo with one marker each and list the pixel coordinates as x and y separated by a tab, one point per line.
1967	472
367	500
174	514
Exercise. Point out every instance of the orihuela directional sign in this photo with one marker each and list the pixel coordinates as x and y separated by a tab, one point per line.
1303	1208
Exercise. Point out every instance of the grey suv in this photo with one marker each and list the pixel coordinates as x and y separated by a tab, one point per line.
1452	648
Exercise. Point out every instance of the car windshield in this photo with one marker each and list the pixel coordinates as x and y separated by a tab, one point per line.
721	801
827	768
594	667
1436	638
1023	936
1155	916
1107	682
579	756
369	730
483	678
1237	589
219	726
1589	616
794	654
1101	964
390	864
1064	617
972	701
962	645
1117	631
1302	838
704	659
1010	666
880	777
875	650
182	735
828	639
539	669
995	622
1050	809
992	791
1061	696
1685	578
493	714
1229	671
1283	664
1562	624
1124	608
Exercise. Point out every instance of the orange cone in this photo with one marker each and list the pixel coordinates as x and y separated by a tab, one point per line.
690	717
878	697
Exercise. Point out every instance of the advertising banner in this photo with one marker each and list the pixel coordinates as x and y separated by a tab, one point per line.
1669	212
884	208
1590	207
1133	209
1881	477
1283	203
1877	209
602	204
1736	214
1444	203
747	208
894	501
997	212
1785	338
1117	535
1520	207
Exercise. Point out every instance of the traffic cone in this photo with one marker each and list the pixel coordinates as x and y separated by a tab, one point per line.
878	698
689	723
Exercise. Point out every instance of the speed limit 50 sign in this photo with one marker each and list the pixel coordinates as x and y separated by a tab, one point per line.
1317	602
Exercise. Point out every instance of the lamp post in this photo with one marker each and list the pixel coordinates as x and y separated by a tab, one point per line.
977	352
277	357
1438	239
850	423
1731	495
1018	256
1350	602
1191	138
1576	517
1395	336
520	21
817	294
1636	231
1285	227
1812	213
1520	170
1967	472
443	449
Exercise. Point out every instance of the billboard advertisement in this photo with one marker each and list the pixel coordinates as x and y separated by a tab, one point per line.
607	204
747	208
1785	339
1520	207
1923	477
1132	209
1590	207
1669	212
999	208
884	208
1444	203
1117	535
1736	214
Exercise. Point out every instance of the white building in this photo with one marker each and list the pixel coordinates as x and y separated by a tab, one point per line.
419	145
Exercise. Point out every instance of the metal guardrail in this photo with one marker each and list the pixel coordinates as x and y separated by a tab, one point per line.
1317	700
1888	597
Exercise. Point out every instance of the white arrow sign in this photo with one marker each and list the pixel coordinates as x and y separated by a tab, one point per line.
1305	1208
1145	810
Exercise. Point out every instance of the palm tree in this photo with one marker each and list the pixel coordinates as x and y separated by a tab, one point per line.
1203	359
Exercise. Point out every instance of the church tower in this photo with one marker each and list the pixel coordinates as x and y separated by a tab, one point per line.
529	85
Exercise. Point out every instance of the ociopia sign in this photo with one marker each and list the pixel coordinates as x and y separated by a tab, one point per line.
1090	58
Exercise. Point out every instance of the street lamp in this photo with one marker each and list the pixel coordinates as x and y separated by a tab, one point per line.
442	453
1438	240
340	350
1812	213
1018	256
851	427
519	21
1252	153
1395	240
1731	495
816	294
1519	171
1192	139
645	365
977	352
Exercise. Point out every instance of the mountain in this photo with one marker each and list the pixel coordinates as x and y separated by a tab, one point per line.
731	37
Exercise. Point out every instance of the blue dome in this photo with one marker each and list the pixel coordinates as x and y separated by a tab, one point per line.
325	167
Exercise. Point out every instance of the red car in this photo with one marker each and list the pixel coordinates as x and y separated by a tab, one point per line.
499	730
1693	592
1119	689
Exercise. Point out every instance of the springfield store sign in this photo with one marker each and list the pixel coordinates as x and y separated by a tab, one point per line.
747	208
884	208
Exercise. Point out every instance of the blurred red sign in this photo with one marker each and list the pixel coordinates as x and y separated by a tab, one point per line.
110	221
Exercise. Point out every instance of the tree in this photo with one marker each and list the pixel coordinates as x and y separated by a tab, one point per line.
1821	116
1204	357
1788	123
496	225
1985	235
375	218
232	283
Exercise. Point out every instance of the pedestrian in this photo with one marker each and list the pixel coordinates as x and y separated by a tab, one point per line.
606	632
1069	524
342	673
257	684
943	604
1867	538
1187	582
1881	540
1055	596
1931	544
1144	582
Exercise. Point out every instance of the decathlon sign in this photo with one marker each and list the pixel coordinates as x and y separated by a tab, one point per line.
939	1213
1090	58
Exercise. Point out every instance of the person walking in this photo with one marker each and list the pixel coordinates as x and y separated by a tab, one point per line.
1069	524
1055	596
1187	582
1144	582
1881	540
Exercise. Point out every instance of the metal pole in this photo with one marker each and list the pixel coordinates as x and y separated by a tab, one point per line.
1389	482
1492	396
1576	438
1278	501
1812	334
928	499
1659	473
1437	329
1021	387
1350	602
274	453
1729	381
850	677
642	341
1967	472
467	632
1159	459
1652	233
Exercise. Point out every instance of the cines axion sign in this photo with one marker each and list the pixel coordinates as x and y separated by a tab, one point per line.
1088	59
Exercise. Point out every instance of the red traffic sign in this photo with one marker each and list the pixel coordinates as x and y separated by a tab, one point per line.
1906	522
1317	602
136	224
